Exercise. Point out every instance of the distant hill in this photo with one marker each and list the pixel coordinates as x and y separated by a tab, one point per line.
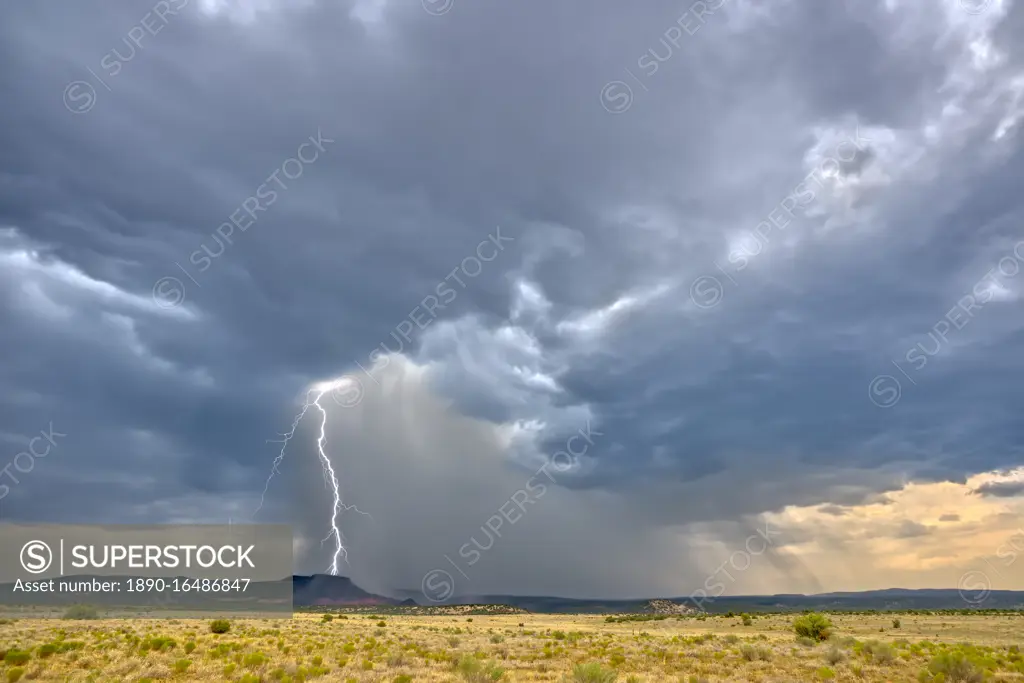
887	599
323	590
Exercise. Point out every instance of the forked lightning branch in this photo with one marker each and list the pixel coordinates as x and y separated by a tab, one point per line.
313	397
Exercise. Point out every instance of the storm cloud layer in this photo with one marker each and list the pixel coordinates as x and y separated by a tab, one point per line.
766	257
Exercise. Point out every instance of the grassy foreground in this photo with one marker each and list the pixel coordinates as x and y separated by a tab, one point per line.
521	647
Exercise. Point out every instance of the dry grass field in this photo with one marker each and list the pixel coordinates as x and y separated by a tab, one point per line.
403	648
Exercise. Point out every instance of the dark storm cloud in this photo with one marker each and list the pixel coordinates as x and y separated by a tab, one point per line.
133	133
1001	489
911	529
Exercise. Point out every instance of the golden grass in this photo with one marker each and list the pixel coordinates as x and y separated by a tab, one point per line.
528	647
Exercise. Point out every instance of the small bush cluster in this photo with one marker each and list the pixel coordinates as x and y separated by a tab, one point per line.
593	672
473	670
878	652
815	626
220	626
952	667
754	654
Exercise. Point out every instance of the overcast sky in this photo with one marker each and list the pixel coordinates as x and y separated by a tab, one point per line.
761	259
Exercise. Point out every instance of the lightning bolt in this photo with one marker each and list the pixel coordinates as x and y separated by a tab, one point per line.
330	477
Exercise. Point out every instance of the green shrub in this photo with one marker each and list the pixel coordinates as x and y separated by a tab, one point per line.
157	643
814	626
254	660
895	623
403	678
328	617
81	612
182	665
955	667
17	657
593	672
220	626
747	621
753	654
474	670
880	653
15	674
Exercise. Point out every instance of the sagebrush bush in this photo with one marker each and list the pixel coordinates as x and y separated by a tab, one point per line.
474	670
835	656
878	652
955	667
220	626
17	657
593	672
753	654
814	626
